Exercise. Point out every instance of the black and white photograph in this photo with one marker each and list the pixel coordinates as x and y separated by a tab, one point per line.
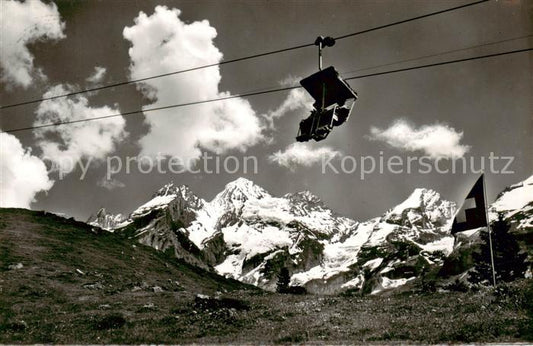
266	172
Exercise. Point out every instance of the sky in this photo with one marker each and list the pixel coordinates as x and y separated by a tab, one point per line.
463	111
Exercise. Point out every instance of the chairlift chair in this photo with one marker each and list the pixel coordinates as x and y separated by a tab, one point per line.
331	94
334	100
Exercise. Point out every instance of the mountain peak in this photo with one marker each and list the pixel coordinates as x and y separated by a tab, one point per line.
172	189
164	196
105	220
513	198
101	212
423	212
166	189
240	182
419	198
241	189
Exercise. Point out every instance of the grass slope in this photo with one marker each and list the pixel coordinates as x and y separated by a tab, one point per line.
76	286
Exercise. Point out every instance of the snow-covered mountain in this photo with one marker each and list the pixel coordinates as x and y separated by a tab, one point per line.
516	203
107	221
247	234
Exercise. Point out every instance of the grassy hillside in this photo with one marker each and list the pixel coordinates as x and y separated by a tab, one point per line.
62	283
73	280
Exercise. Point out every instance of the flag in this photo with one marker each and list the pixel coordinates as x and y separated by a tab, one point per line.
472	213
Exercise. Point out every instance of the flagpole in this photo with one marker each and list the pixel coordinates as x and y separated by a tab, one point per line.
489	230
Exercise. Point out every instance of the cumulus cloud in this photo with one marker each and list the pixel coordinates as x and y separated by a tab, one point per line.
296	100
66	145
23	23
302	154
98	75
436	141
161	43
290	80
22	175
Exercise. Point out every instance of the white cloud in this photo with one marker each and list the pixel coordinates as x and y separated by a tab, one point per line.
65	145
302	154
23	23
296	100
434	140
161	43
290	80
22	175
98	75
110	184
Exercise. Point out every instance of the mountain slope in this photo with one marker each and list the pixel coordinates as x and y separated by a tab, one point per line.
39	249
65	275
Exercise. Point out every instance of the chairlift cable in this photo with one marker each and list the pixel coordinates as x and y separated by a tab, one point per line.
112	85
437	54
139	111
439	64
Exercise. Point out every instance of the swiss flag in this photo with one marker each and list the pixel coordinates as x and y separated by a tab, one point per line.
472	213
